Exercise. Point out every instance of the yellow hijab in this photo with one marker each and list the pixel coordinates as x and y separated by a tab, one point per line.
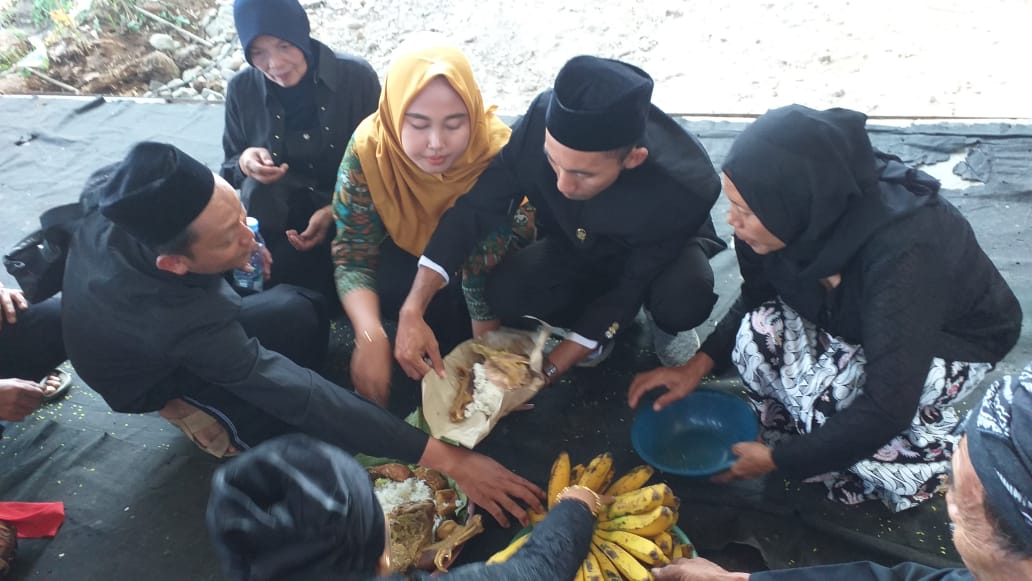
408	200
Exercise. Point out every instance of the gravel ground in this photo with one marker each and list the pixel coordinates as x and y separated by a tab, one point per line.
908	58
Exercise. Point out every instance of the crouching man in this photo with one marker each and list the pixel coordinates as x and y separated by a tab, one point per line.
151	324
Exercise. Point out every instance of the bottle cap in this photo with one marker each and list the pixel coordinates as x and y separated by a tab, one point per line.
252	223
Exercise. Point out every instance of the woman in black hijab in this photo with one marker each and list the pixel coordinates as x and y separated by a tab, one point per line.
289	118
867	308
298	508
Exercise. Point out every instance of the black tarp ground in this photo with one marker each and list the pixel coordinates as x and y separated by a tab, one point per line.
135	489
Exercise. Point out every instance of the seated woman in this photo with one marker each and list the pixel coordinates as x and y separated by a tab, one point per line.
298	508
425	146
288	120
867	308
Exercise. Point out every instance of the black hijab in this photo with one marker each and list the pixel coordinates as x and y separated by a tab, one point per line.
295	508
814	180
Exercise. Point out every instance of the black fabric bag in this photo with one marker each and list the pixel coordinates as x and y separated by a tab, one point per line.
37	262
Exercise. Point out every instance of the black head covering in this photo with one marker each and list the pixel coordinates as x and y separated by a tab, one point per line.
156	192
599	104
814	180
295	507
284	19
999	434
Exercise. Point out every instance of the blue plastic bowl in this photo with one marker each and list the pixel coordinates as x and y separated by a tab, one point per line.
693	436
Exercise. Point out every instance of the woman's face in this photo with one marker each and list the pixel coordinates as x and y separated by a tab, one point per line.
436	128
747	225
280	61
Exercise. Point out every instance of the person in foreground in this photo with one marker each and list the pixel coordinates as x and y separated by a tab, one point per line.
30	349
423	148
294	508
288	119
989	501
621	196
867	308
150	322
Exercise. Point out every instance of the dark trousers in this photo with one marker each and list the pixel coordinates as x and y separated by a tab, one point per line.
548	280
32	346
287	319
446	315
280	207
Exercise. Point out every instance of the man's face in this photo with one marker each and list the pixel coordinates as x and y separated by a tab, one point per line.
965	501
222	239
582	175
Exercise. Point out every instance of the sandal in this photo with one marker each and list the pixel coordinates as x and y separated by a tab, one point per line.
65	382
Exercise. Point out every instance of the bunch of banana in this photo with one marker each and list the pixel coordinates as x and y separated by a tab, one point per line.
632	535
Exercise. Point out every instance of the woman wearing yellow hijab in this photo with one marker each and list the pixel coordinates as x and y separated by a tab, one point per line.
426	145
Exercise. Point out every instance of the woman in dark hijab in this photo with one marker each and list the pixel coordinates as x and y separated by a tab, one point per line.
867	308
289	118
298	508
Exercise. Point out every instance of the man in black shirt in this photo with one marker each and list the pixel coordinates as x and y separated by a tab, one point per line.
622	196
149	321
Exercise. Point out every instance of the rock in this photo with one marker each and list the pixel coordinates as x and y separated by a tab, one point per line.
839	93
228	74
353	23
209	95
191	74
184	93
309	4
233	62
188	56
155	86
163	42
825	59
175	84
159	66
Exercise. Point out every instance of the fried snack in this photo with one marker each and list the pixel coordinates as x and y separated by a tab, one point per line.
412	528
432	478
445	529
503	368
395	472
447	501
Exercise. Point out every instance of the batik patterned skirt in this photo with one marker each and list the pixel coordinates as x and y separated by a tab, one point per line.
798	376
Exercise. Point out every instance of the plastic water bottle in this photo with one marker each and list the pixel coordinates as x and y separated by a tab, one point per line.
253	281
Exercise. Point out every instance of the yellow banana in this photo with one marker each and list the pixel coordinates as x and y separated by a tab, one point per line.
686	551
641	548
648	524
503	555
592	570
597	471
633	480
579	576
628	566
535	517
605	566
643	500
665	543
559	478
576	472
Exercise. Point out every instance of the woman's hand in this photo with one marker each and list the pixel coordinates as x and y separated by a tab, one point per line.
315	233
371	366
678	381
754	460
257	163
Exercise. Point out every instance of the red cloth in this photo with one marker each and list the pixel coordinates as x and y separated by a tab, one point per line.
33	519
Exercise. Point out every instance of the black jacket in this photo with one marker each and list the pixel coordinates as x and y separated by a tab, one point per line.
644	220
919	288
865	571
347	91
137	335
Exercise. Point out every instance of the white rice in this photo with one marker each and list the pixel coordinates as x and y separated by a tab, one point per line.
393	494
487	397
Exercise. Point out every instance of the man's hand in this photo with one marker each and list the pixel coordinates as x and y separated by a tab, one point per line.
754	460
257	163
315	233
19	398
266	263
678	381
11	301
697	569
414	344
371	368
486	482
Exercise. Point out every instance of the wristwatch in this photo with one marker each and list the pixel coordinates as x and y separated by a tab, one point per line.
549	370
